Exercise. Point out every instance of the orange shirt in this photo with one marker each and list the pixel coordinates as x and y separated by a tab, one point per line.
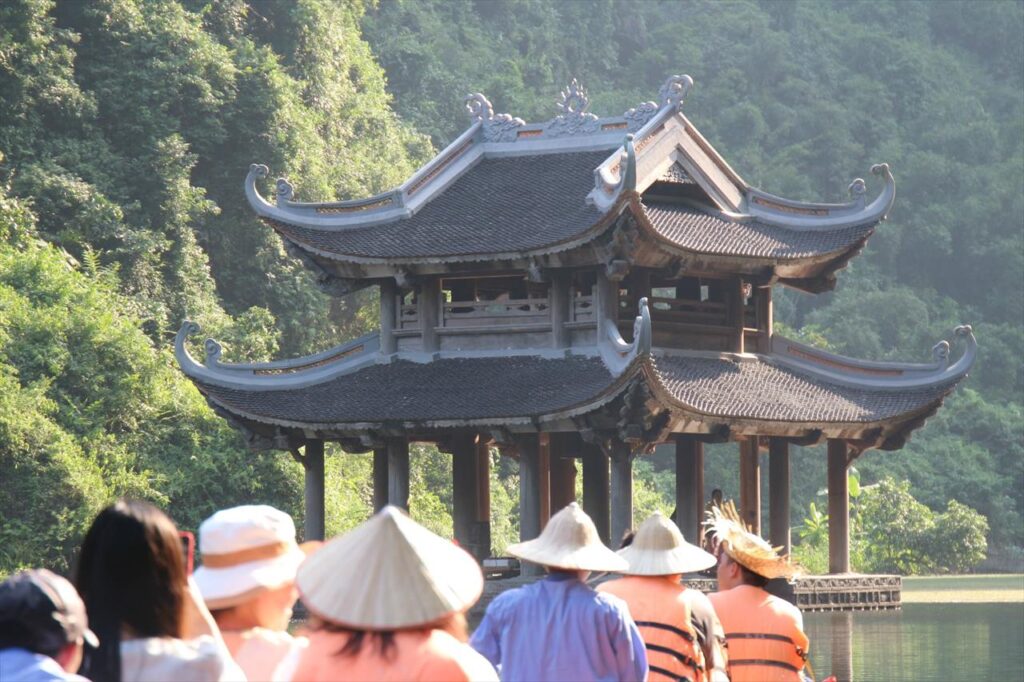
662	613
764	634
422	655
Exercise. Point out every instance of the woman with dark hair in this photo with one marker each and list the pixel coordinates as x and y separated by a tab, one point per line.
150	619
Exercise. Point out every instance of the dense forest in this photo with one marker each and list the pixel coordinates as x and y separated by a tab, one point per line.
126	128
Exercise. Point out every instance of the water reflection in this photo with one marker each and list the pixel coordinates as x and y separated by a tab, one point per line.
921	643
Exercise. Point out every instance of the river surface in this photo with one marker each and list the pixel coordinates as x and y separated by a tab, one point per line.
920	643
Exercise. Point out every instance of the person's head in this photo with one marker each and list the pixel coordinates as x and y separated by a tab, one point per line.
569	543
249	558
387	575
716	497
41	612
131	575
731	573
744	558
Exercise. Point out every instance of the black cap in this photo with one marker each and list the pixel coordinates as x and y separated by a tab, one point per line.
42	612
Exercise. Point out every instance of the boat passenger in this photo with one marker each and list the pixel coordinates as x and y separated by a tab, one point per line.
149	615
387	603
247	580
678	624
764	633
560	628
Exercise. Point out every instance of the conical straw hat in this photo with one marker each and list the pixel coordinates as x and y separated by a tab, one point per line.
389	573
569	541
660	549
746	548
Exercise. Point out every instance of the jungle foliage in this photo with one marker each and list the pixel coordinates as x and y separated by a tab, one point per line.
128	126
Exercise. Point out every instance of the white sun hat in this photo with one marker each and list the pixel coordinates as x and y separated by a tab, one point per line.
389	573
570	542
659	548
246	550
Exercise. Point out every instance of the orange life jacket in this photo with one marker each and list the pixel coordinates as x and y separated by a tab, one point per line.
662	613
763	634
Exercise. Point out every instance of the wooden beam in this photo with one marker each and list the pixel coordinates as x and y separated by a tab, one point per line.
429	312
765	319
544	477
750	484
621	492
529	494
313	462
689	486
779	494
398	472
380	478
838	508
483	494
595	488
388	315
734	298
564	449
560	304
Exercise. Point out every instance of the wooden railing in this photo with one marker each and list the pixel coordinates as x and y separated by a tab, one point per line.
681	311
582	309
484	313
408	315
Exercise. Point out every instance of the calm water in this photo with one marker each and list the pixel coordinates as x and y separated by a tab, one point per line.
920	643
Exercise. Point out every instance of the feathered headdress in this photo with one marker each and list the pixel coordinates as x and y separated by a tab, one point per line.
745	547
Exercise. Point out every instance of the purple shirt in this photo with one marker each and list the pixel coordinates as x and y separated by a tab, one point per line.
561	629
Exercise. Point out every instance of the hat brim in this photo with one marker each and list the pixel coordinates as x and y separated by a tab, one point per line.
683	559
223	588
588	558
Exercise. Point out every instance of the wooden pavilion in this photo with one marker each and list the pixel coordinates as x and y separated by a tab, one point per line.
577	290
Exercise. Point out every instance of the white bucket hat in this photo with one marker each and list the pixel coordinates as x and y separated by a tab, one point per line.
246	550
570	542
389	573
659	548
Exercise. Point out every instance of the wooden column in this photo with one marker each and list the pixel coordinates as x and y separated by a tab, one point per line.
765	318
750	484
564	450
529	494
734	298
689	486
560	303
621	492
398	472
778	494
544	477
465	495
380	479
313	462
838	508
607	303
429	312
388	315
595	489
483	497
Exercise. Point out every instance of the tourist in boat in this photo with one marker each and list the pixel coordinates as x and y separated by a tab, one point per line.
764	633
387	603
559	628
247	580
678	624
150	618
43	628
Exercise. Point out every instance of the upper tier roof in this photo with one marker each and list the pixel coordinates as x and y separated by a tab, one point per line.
506	189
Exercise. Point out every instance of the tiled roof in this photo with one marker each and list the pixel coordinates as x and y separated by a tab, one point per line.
678	175
448	389
758	389
511	204
694	230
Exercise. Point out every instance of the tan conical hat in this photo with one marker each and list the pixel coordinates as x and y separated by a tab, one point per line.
569	541
660	549
745	547
389	573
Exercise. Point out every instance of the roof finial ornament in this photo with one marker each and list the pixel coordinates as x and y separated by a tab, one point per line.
213	352
496	127
940	353
858	189
285	191
674	91
627	167
573	117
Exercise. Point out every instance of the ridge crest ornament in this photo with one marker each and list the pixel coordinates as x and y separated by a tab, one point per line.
573	118
495	127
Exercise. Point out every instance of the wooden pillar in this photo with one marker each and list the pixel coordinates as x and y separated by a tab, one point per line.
388	315
735	302
465	495
380	479
398	472
560	303
838	508
595	489
690	487
429	312
529	494
483	497
778	494
750	484
564	450
607	303
313	462
765	319
544	477
621	494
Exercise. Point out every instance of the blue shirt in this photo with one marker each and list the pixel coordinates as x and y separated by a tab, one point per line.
19	665
561	629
